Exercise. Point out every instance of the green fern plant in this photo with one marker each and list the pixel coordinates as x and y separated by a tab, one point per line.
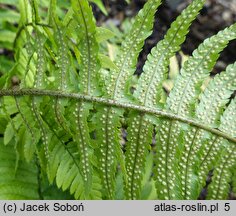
64	124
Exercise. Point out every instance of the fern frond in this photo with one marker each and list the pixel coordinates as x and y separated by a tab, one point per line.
234	181
63	61
72	106
52	192
88	84
40	77
68	170
88	47
113	103
222	175
201	150
67	157
148	87
140	132
188	83
181	101
23	183
216	96
61	74
115	86
8	108
51	11
228	118
45	136
14	128
20	184
220	89
107	124
35	10
64	167
29	136
155	70
80	132
127	60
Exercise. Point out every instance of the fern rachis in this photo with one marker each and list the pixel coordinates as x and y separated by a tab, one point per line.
67	114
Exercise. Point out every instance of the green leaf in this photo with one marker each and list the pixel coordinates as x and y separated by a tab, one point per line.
139	140
195	70
29	134
88	47
19	185
80	133
10	2
51	192
200	154
88	79
9	134
100	5
223	172
9	16
73	106
103	34
228	118
182	101
148	184
107	128
63	60
5	64
7	36
63	165
106	62
219	188
3	124
155	71
131	46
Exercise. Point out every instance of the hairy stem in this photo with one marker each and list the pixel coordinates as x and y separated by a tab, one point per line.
115	103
